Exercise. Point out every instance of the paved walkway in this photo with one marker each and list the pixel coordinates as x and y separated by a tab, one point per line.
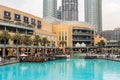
8	62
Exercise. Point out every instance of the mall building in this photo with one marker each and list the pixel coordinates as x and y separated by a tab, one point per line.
74	34
15	21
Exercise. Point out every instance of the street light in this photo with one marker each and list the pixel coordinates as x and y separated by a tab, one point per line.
87	49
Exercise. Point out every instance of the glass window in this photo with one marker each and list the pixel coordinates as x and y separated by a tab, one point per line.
65	37
39	24
17	17
26	19
33	21
7	15
59	37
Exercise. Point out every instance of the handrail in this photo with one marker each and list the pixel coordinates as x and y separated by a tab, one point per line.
17	23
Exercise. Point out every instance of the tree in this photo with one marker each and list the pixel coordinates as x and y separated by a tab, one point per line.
37	40
101	44
62	43
26	40
4	36
44	42
17	38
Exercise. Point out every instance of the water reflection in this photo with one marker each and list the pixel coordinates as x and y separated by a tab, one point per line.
73	69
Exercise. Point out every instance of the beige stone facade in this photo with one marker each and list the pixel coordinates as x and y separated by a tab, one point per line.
72	32
98	38
17	21
66	32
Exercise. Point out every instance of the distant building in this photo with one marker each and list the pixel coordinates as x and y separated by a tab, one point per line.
112	43
59	13
50	8
70	10
93	13
111	34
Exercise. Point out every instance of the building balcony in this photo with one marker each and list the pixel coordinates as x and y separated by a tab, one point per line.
17	19
82	29
82	34
7	17
16	25
83	40
2	45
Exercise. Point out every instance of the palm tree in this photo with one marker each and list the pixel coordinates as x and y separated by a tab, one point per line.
4	36
63	43
44	42
37	40
17	38
26	40
101	44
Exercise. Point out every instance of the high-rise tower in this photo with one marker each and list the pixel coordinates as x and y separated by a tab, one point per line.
50	8
93	13
70	10
59	13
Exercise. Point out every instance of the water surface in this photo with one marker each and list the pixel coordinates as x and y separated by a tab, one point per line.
71	69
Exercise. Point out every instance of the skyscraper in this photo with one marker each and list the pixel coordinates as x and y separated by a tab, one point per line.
70	10
50	8
59	13
93	13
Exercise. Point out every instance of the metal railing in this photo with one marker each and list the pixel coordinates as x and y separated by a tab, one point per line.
16	24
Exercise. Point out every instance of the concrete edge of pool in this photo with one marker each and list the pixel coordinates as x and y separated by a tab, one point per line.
12	62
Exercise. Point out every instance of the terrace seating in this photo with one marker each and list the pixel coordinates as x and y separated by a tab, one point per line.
33	59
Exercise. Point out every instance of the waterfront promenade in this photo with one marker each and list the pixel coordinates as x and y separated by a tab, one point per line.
8	62
113	57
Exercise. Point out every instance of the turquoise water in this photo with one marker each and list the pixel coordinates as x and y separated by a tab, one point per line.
72	69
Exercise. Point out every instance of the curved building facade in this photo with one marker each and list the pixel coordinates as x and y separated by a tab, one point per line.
15	21
75	34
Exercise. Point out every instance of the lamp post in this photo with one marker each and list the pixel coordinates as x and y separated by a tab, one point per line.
71	52
112	50
87	49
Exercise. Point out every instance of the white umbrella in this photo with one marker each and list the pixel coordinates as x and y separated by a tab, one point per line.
23	55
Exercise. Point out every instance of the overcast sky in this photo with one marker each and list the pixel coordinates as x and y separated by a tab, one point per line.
111	10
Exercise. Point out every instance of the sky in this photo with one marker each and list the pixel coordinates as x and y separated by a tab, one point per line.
110	10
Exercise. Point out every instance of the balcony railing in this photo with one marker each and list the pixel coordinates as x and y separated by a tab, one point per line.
7	17
82	40
82	34
16	24
2	45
